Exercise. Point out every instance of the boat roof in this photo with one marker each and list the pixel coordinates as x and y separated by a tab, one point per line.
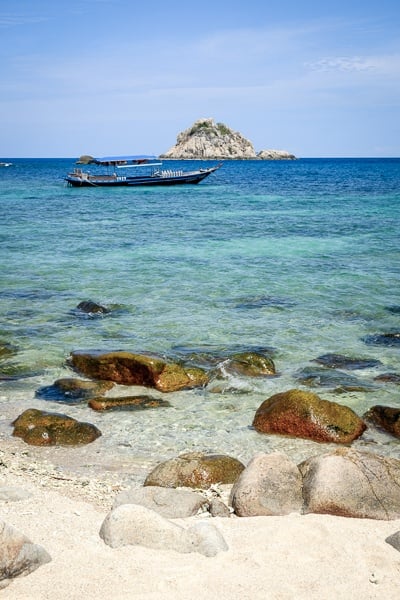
123	159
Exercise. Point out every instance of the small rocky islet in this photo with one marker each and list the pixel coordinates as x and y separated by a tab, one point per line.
206	139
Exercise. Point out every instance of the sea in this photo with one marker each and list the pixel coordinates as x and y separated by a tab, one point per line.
297	259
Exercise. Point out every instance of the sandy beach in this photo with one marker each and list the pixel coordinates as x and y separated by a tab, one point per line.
290	557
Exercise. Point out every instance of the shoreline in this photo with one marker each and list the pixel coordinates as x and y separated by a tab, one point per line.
289	557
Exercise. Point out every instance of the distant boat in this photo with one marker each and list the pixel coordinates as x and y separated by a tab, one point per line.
149	172
5	164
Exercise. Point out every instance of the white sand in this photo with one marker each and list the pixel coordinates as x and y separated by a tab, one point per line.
293	557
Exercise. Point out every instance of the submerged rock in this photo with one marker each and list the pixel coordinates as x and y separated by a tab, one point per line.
250	364
90	307
386	417
40	428
331	378
195	470
7	350
338	361
388	378
305	415
383	339
70	390
127	403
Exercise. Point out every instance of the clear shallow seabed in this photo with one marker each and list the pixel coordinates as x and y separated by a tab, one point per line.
302	257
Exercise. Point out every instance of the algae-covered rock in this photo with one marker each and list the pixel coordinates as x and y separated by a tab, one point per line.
127	368
121	367
195	470
41	428
127	403
251	364
304	414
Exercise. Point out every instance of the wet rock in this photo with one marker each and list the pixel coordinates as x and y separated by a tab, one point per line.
127	403
383	339
388	378
133	369
197	377
271	484
338	361
13	371
354	484
250	364
209	357
386	417
304	414
253	302
395	309
195	470
330	378
168	502
40	428
92	308
18	555
132	524
69	390
172	378
7	350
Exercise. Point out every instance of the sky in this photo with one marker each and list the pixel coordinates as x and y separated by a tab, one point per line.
113	77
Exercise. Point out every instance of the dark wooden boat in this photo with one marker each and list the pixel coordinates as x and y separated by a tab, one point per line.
148	172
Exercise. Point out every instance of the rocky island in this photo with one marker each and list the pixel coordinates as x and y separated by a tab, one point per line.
206	139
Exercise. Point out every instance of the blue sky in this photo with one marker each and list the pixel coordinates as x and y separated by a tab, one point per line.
119	76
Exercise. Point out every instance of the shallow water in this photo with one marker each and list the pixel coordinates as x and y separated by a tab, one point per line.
301	257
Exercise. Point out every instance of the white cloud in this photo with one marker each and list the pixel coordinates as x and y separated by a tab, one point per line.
378	64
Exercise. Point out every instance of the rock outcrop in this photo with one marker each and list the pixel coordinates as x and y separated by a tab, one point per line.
206	139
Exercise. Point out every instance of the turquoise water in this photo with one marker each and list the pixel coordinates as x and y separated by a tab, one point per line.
300	257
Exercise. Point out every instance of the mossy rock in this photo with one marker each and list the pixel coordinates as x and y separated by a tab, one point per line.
251	364
195	470
121	367
304	414
127	368
40	428
127	403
